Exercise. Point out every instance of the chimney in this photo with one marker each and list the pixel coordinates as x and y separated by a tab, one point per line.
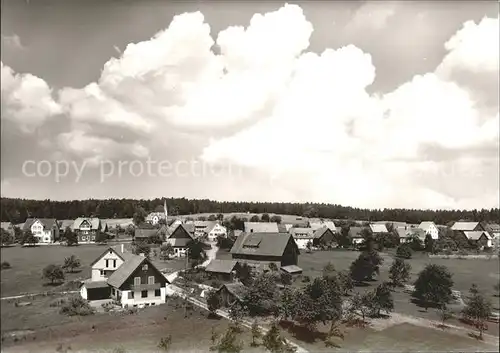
142	254
123	248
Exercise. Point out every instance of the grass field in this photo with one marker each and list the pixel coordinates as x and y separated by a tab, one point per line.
28	262
44	328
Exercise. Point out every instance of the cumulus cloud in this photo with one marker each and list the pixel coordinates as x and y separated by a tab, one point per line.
254	96
26	99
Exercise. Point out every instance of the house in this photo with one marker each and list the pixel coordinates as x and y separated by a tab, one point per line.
261	227
46	230
302	236
406	234
137	282
430	228
222	269
180	238
231	293
143	235
87	229
378	228
493	229
481	237
298	222
216	230
130	279
467	226
323	236
355	233
264	248
316	224
200	227
154	218
65	224
107	263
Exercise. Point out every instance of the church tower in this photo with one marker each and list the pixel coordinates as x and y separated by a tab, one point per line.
165	210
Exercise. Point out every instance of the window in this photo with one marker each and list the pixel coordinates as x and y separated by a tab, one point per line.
145	267
114	263
130	295
153	304
102	272
110	252
113	291
157	293
151	280
144	294
137	281
107	263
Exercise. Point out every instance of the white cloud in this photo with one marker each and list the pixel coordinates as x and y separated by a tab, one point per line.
26	99
474	48
306	119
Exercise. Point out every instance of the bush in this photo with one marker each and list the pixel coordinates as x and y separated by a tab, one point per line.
306	279
404	251
77	306
5	265
165	343
57	303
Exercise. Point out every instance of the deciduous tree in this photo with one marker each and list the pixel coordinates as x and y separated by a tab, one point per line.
477	311
399	273
53	273
404	251
70	263
433	285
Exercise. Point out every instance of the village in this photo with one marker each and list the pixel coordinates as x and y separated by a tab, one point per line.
268	274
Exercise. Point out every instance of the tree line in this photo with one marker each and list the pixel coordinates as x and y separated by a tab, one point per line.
17	210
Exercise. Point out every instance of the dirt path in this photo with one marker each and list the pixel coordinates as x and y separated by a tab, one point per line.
38	294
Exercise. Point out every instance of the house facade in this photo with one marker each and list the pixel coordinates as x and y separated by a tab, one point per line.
138	283
216	230
106	264
231	293
46	230
179	239
430	228
87	229
302	236
480	237
264	248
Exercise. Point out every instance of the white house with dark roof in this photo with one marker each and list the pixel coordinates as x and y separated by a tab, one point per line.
87	228
216	230
261	227
430	228
46	230
130	279
180	238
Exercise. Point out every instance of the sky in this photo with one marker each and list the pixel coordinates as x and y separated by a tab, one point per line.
367	104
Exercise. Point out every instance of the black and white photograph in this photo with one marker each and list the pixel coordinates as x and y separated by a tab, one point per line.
250	176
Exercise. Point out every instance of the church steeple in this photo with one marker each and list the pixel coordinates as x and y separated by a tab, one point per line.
165	210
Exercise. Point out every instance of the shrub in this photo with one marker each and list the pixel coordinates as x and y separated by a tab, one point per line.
165	343
77	306
57	303
404	251
306	279
5	265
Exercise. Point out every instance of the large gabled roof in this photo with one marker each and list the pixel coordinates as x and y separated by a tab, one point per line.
48	223
466	226
261	244
221	266
132	263
117	253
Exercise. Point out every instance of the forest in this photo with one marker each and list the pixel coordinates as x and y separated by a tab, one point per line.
17	210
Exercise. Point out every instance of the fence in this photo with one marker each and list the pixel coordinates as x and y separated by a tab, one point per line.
456	256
